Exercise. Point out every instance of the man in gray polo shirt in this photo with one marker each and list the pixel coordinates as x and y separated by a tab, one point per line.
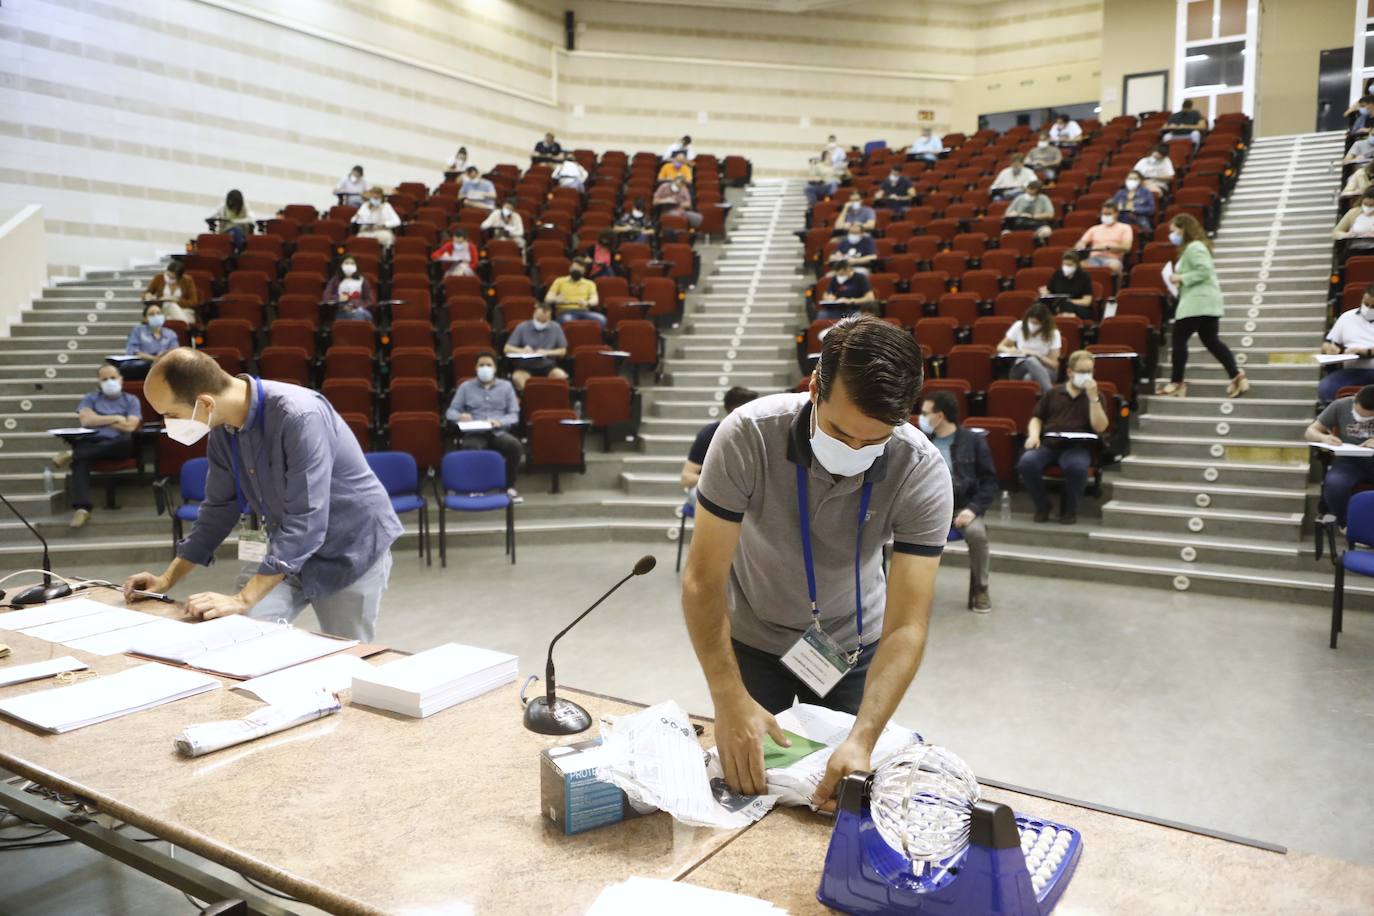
534	346
845	448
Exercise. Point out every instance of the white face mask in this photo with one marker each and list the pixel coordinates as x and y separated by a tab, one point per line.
1132	183
1069	270
1042	143
375	201
156	321
355	178
925	425
1108	219
1033	327
1367	208
349	269
111	387
188	432
853	238
1081	379
539	325
1367	312
838	458
506	211
637	213
486	373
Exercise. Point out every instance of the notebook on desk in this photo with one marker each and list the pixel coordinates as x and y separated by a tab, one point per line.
107	697
241	647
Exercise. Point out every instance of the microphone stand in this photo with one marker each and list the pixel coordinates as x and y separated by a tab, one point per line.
548	664
47	561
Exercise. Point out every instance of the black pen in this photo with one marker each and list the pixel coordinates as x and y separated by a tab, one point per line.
156	596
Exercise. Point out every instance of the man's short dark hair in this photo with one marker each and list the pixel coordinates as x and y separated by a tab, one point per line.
1187	104
737	397
944	402
485	354
879	363
190	373
1366	99
1365	397
1369	195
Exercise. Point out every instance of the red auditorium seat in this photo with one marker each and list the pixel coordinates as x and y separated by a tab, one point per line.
607	403
1013	400
958	387
349	395
359	334
285	364
973	363
420	435
990	330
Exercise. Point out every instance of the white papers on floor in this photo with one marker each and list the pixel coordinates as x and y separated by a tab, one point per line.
239	646
106	697
655	758
205	737
637	896
332	674
427	682
18	674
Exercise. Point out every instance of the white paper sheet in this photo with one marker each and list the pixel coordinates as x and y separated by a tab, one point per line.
106	697
108	620
50	613
475	426
270	653
637	896
117	642
1327	359
333	674
18	674
1346	450
208	636
1170	281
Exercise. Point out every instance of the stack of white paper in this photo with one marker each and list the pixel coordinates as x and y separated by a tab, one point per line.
106	697
332	674
18	674
435	679
50	613
117	642
84	624
239	646
637	896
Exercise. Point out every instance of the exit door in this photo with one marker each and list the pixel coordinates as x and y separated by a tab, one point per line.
1333	88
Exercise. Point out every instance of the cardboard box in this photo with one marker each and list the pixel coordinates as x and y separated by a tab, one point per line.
571	795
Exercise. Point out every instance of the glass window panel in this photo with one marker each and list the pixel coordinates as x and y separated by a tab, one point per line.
1368	50
1200	20
1232	17
1213	65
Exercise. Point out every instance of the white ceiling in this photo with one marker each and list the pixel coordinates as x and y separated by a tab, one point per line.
772	6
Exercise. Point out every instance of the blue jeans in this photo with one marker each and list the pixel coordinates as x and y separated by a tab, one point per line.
773	687
1340	482
1074	462
350	613
818	189
581	314
1335	381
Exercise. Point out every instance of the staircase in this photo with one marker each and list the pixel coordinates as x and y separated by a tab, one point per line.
1215	492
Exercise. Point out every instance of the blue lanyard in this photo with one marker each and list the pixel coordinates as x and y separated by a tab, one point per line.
804	509
237	459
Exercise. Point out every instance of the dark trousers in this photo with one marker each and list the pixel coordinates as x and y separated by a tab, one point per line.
1341	480
86	451
500	441
1205	327
774	687
1335	381
1074	462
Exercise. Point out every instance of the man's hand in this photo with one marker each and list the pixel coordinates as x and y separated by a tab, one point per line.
209	605
144	582
1044	291
1032	441
847	758
1368	443
1090	389
1333	439
965	518
495	424
740	727
465	418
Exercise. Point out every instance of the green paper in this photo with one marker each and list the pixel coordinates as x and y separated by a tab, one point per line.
775	756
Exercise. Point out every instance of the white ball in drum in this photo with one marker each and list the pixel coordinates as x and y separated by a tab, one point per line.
713	412
81	330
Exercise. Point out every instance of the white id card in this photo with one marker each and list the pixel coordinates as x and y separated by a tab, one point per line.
252	545
817	660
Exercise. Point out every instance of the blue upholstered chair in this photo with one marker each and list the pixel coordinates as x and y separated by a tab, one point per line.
1359	530
475	481
400	475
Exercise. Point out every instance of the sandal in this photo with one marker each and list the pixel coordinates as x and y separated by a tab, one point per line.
1239	385
1172	390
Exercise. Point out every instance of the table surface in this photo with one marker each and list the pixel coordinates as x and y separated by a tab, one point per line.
368	812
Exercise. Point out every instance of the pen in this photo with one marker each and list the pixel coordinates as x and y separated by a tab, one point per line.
156	596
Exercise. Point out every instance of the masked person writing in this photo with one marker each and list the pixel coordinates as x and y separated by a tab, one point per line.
280	449
784	592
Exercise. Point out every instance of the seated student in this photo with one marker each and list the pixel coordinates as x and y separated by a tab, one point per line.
1071	289
896	192
539	336
928	147
490	400
1108	242
353	297
457	253
1362	150
1013	179
1360	180
974	477
351	187
845	293
1186	122
1065	131
836	154
1074	407
858	249
1356	228
637	225
735	398
676	167
148	340
505	223
1134	203
673	199
574	296
115	415
856	213
1345	421
548	150
1157	169
376	219
477	191
570	173
1361	116
234	219
1036	342
1031	210
682	146
175	292
600	255
1045	157
1352	332
821	180
458	162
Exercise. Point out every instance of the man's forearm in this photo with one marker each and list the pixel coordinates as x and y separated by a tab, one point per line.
894	665
708	625
177	570
257	588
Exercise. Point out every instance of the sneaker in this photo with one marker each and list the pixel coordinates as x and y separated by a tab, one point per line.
1068	519
62	460
80	517
982	603
1042	515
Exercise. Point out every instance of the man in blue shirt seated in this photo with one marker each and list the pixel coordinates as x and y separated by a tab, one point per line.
845	293
548	150
856	213
490	400
115	415
896	192
858	248
327	519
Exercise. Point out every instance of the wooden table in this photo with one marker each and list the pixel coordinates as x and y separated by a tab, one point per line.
367	812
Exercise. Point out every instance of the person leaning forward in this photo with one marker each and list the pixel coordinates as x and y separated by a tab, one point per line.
795	482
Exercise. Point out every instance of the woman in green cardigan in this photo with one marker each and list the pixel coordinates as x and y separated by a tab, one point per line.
1199	308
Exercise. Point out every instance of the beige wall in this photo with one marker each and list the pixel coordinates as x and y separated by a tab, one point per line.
1137	37
1292	36
1014	90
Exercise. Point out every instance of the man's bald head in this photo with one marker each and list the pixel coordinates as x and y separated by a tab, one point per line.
181	377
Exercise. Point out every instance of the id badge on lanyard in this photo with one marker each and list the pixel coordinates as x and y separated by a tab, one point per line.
816	659
252	543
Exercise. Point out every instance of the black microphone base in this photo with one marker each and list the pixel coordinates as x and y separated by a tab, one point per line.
562	717
39	594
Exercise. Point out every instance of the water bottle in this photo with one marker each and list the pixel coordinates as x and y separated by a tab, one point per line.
48	488
1006	505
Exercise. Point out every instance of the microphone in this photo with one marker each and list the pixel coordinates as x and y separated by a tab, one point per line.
38	594
551	715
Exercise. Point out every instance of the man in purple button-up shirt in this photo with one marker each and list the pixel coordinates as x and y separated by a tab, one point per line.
329	521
